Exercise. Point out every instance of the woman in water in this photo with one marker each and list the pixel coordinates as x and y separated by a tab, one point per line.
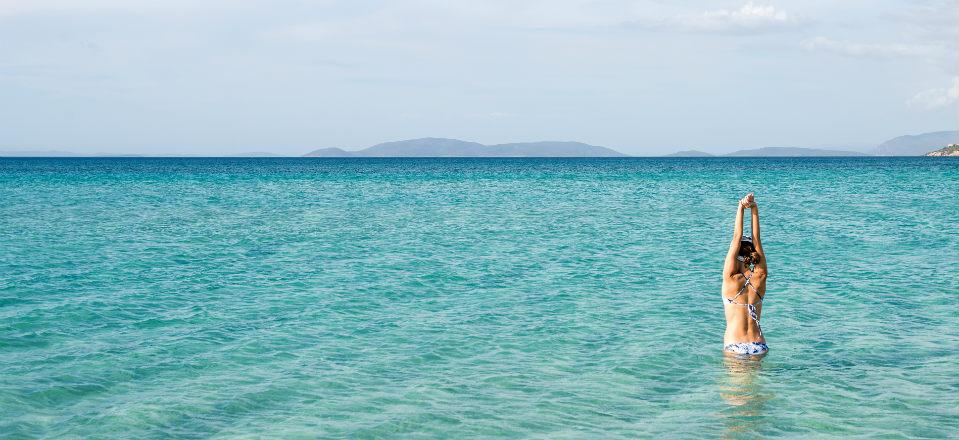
744	285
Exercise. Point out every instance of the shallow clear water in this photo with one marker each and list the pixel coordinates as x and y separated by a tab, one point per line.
541	298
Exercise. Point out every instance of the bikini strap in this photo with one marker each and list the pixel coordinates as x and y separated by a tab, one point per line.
751	308
741	289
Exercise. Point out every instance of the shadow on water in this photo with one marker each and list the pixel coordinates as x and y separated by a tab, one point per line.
742	390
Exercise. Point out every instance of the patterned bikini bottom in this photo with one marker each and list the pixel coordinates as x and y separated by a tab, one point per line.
750	348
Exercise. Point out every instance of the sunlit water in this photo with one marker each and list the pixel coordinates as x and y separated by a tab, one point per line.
545	298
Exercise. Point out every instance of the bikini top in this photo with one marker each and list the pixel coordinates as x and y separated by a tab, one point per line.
750	307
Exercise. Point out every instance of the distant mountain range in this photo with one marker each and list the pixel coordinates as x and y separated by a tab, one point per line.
917	145
793	152
690	153
909	145
771	152
441	147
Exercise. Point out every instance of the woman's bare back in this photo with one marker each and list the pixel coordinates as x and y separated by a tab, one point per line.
740	326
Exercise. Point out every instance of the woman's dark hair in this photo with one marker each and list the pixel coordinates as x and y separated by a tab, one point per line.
748	252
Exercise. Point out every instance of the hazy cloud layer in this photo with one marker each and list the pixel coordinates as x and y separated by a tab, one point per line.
867	49
937	98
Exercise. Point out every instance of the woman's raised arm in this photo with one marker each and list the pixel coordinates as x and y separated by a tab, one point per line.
757	241
729	266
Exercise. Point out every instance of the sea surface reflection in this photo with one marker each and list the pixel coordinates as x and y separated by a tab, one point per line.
742	389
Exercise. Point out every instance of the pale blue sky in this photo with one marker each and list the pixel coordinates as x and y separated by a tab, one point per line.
641	76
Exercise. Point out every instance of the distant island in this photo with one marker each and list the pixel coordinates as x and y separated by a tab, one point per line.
908	145
771	152
948	150
792	152
917	144
690	153
442	147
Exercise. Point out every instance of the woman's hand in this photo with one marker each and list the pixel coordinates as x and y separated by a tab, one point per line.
748	201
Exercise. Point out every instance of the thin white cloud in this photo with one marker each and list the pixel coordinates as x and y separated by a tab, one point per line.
457	16
869	50
750	17
453	17
933	99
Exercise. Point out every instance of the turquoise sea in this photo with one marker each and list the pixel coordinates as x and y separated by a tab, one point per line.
472	298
